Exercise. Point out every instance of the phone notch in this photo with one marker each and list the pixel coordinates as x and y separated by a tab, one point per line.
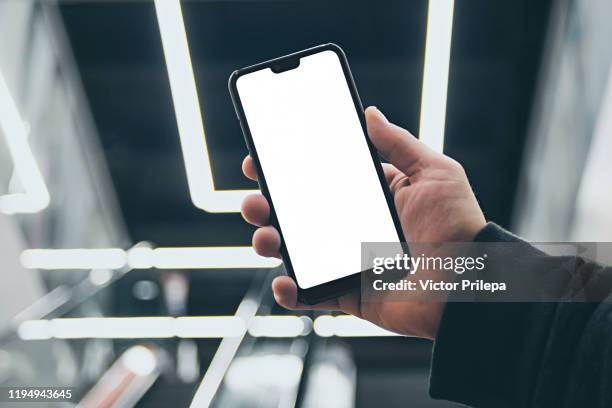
286	64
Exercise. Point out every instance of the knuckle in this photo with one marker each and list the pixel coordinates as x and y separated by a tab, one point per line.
454	166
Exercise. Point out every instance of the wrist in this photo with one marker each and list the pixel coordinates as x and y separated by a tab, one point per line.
431	316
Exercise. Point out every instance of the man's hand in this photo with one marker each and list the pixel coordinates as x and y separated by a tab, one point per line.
434	201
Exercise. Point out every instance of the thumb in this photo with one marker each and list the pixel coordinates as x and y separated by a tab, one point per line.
396	144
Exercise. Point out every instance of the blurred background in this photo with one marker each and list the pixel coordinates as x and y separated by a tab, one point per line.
126	271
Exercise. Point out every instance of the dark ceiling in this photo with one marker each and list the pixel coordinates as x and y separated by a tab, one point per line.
495	58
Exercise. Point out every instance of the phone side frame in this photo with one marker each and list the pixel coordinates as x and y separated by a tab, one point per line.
332	289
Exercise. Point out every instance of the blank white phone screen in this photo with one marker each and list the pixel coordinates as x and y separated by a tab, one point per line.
316	162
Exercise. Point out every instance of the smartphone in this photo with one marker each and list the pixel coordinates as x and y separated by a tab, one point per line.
305	128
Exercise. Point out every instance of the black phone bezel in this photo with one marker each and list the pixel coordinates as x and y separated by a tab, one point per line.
332	289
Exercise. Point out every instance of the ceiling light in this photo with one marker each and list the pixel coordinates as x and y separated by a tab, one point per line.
435	73
209	327
210	257
280	326
347	326
144	258
189	115
36	196
108	258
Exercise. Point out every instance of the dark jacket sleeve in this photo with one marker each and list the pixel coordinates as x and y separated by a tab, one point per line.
526	354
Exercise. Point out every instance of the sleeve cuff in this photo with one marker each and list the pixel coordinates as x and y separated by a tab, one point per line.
494	233
477	347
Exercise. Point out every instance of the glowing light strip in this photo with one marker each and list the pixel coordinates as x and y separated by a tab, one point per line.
210	327
188	114
36	196
96	327
132	327
280	326
435	73
109	258
145	258
198	258
347	326
197	327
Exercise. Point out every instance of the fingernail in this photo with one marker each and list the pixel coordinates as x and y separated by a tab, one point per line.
380	114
